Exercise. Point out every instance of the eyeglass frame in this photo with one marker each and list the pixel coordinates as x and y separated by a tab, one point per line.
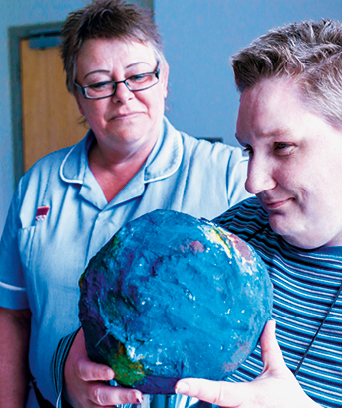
83	92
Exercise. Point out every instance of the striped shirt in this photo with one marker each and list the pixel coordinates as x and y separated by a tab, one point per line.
306	283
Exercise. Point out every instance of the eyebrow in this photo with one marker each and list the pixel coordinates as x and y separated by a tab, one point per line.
280	132
106	71
96	71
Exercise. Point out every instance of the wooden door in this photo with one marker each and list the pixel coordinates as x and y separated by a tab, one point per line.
50	113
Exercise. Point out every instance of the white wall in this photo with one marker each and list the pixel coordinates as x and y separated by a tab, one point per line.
199	37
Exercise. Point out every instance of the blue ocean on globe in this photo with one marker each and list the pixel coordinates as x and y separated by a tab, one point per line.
172	296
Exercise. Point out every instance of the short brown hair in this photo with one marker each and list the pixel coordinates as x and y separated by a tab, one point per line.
308	52
106	19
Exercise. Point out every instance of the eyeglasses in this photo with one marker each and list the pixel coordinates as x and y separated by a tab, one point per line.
134	83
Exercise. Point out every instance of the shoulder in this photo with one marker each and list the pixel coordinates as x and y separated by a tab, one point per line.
46	165
217	160
52	167
201	148
244	219
213	150
202	157
44	175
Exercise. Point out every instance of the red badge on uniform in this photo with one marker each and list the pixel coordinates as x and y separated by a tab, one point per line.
42	213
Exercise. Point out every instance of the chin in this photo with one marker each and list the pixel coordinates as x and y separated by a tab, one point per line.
299	243
279	226
288	233
302	240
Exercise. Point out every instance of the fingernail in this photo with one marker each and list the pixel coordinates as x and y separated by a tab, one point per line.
107	374
182	388
138	398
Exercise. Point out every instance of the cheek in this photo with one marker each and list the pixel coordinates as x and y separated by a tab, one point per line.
153	103
156	100
296	175
95	110
288	177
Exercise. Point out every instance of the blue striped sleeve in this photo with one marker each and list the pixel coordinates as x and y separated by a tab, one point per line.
57	367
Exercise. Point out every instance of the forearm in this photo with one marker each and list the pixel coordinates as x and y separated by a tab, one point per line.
14	344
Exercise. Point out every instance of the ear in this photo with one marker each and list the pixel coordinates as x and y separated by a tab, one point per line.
165	78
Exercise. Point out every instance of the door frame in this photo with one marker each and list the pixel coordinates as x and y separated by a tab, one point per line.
15	35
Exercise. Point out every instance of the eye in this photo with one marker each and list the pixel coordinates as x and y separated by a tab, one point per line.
283	149
139	78
98	86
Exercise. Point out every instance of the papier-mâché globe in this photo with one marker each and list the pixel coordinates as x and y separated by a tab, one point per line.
171	296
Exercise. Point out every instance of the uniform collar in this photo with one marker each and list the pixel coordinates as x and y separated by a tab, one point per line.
166	155
162	163
75	163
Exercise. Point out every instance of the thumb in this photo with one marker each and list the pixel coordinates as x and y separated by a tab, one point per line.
88	370
221	393
270	351
78	363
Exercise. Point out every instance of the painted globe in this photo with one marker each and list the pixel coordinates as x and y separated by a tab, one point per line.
172	296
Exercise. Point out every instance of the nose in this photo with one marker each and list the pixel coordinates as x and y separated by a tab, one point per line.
259	176
122	93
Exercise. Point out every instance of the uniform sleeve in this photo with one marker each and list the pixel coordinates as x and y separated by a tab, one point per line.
13	294
57	367
236	177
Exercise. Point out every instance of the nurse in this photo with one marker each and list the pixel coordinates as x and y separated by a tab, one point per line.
71	202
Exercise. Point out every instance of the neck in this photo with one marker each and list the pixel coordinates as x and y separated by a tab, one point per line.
114	169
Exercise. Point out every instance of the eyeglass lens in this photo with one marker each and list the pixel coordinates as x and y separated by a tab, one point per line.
134	83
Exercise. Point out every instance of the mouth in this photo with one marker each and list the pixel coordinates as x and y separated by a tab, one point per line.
276	204
123	116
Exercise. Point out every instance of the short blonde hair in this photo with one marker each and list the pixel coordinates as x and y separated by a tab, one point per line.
310	53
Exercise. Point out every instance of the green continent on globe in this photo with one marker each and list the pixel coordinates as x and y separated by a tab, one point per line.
126	371
171	296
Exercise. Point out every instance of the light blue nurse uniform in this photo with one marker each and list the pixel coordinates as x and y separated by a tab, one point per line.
59	218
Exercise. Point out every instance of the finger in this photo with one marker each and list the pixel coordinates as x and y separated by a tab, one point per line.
272	356
219	393
87	370
105	395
